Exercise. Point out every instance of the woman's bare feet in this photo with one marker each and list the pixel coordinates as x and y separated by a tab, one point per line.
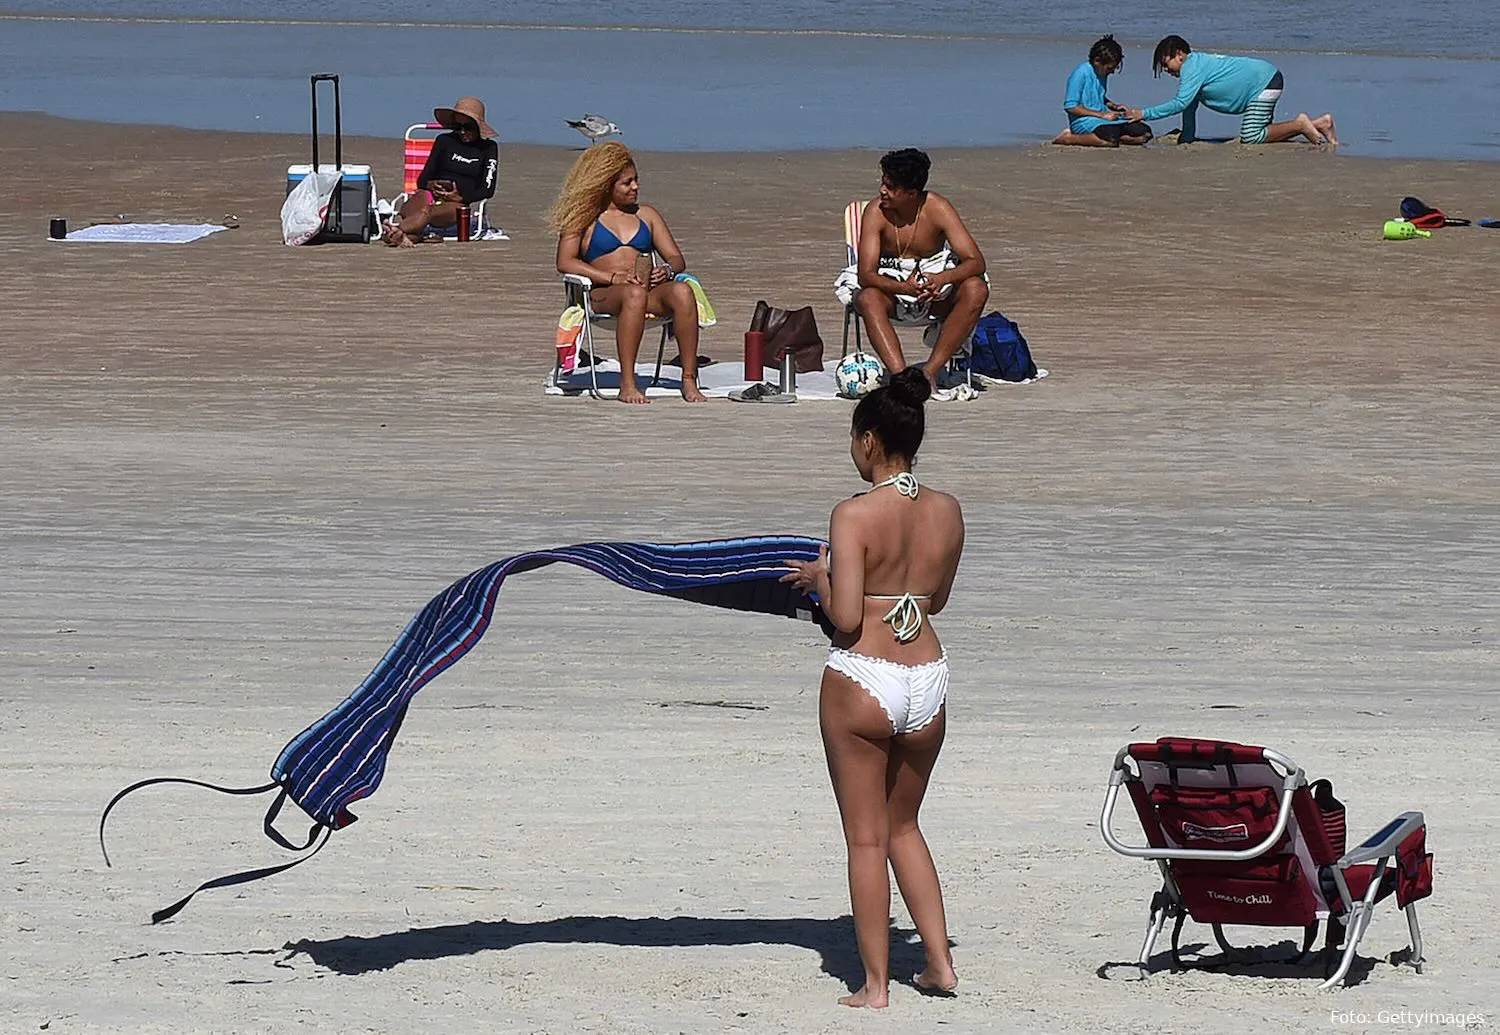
692	393
936	981
867	997
632	393
392	235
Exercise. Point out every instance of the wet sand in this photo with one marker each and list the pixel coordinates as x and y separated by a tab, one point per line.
1255	500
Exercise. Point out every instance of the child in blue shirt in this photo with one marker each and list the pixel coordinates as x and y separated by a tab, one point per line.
1244	86
1093	119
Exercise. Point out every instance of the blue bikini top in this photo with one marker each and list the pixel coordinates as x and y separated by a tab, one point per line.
604	241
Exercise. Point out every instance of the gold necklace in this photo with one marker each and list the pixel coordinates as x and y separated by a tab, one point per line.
913	238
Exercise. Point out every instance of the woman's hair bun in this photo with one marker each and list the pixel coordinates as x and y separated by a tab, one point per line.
895	413
911	387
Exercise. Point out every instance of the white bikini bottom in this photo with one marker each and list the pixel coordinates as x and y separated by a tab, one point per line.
910	695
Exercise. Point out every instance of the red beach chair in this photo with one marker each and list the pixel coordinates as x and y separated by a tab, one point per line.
1242	838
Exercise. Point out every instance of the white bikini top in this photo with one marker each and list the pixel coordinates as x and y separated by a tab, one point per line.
905	618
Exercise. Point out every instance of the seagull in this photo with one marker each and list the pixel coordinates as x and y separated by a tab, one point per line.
595	127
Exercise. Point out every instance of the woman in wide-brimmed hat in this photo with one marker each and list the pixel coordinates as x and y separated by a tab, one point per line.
461	170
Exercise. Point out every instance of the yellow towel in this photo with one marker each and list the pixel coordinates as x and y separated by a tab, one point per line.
706	315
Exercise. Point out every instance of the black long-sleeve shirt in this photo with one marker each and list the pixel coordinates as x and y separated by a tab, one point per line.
473	168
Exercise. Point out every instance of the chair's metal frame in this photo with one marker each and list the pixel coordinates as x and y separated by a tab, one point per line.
1168	903
579	290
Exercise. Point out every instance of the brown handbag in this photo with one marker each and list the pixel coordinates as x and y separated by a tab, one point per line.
789	330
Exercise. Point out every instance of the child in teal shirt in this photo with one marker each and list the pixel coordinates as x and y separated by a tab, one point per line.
1244	86
1093	119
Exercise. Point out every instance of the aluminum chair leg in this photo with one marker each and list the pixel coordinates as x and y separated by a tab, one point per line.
661	354
588	343
1161	909
851	315
1355	925
1352	932
1416	936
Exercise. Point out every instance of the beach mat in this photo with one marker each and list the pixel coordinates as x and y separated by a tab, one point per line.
716	380
144	233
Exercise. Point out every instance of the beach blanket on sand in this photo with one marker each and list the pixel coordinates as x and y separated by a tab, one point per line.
722	380
145	233
716	380
341	758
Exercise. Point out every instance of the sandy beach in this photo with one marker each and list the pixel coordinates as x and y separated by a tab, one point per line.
1255	500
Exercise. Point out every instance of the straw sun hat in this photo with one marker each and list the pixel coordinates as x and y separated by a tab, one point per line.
470	107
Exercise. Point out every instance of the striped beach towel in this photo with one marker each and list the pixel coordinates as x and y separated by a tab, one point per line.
341	758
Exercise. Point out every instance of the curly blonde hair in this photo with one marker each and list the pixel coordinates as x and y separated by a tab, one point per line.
586	191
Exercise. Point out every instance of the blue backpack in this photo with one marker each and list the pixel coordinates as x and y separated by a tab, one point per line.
998	351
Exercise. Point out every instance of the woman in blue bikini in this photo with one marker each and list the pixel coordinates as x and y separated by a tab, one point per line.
603	230
881	710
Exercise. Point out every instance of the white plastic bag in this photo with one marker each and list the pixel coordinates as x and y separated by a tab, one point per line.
306	207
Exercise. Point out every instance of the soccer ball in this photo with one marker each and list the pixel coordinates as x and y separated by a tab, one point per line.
858	373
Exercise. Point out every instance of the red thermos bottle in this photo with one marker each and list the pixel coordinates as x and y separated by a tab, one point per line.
463	223
754	360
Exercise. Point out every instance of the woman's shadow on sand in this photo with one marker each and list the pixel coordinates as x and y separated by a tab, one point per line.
832	939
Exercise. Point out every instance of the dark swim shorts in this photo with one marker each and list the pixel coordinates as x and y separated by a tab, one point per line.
1113	131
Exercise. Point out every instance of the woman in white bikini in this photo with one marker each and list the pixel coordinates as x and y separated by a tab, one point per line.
895	550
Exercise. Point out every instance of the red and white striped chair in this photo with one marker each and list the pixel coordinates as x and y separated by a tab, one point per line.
1241	838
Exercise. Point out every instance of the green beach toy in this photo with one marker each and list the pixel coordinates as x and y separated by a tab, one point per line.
1400	230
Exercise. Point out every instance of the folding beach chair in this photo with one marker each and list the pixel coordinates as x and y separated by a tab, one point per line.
415	151
853	214
1241	837
579	290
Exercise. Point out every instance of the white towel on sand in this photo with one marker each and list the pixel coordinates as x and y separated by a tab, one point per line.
145	233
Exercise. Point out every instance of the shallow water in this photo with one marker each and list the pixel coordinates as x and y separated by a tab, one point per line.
1447	27
690	90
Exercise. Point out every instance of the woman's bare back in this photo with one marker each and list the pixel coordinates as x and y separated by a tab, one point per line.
908	546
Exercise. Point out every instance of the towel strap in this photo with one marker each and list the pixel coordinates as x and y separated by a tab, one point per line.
317	837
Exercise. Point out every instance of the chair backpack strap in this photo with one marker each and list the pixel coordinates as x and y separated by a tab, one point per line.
1175	760
1331	813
